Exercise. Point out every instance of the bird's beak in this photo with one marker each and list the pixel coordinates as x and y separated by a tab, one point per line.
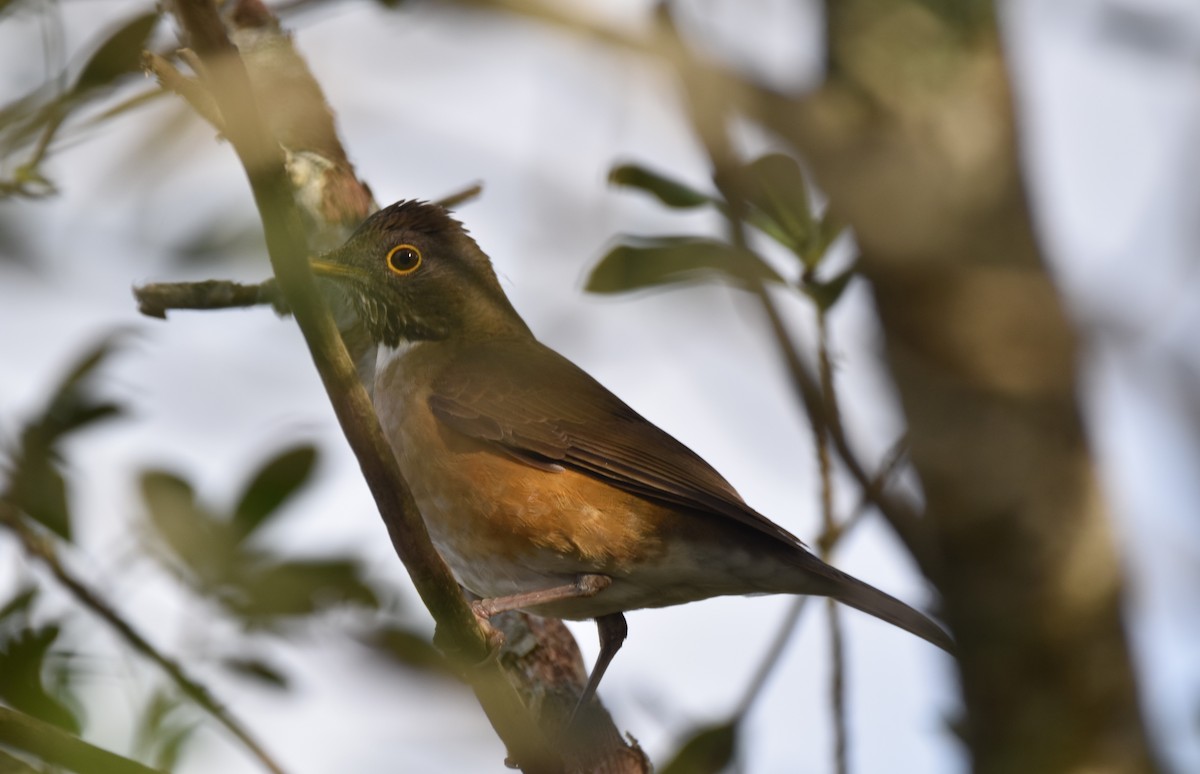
336	271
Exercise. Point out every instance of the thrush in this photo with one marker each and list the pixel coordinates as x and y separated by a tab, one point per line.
542	490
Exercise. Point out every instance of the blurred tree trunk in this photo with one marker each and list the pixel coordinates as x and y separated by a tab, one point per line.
914	141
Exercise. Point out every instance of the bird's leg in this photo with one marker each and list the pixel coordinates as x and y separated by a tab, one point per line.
612	629
583	586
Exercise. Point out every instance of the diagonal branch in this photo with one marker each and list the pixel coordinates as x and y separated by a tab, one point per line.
258	119
263	161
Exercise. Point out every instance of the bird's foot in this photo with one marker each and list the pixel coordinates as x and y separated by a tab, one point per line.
453	647
491	635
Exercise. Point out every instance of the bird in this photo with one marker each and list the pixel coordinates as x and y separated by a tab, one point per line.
542	490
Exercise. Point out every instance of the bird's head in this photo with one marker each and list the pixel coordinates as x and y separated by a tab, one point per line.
412	273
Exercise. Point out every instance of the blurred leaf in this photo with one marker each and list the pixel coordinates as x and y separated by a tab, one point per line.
34	120
776	188
11	765
19	604
39	490
23	667
8	6
16	245
171	745
120	54
210	554
667	191
274	483
299	588
967	16
707	751
222	235
409	649
649	262
258	670
35	484
70	407
203	547
828	229
164	728
826	294
22	118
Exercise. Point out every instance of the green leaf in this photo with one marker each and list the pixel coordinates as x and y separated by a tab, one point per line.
168	497
670	192
35	484
828	229
202	549
55	750
707	751
120	54
259	670
409	649
650	262
165	727
826	294
777	190
299	588
11	765
20	603
39	490
71	407
23	667
274	483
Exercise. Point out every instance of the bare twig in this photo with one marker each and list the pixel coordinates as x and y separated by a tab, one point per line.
157	298
903	520
788	626
837	681
460	197
42	549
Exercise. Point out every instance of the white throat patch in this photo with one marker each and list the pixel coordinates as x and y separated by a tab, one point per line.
386	356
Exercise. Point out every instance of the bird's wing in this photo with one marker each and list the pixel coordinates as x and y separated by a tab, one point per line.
544	410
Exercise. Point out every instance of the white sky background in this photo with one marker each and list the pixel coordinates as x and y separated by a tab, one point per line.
1110	123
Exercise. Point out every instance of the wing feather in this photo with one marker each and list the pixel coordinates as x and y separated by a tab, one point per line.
544	410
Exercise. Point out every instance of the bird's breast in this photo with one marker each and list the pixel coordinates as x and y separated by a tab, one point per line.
502	525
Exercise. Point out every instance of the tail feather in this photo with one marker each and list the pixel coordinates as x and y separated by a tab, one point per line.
850	591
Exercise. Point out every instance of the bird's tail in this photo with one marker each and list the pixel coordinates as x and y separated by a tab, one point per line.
862	596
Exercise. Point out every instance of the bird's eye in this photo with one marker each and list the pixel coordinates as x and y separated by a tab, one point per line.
404	259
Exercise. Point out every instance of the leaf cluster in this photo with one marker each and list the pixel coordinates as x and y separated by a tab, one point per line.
776	203
218	557
30	123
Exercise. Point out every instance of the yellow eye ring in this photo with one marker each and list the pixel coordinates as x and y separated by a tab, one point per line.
403	259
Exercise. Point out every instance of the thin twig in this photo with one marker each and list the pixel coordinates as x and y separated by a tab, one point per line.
903	520
451	201
837	680
772	657
891	463
787	627
42	549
